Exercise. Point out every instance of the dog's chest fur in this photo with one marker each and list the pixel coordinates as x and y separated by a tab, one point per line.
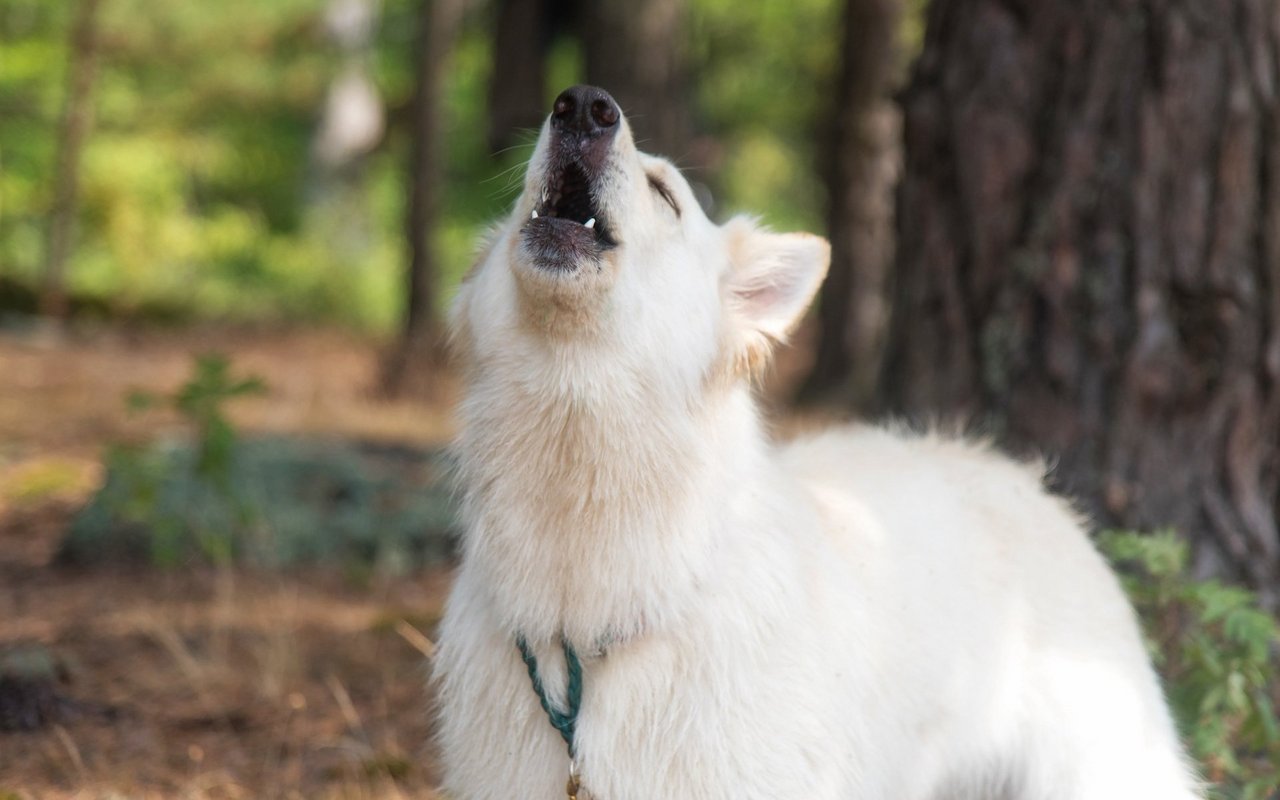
587	520
704	665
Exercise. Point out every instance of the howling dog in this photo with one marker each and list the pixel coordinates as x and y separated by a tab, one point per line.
655	600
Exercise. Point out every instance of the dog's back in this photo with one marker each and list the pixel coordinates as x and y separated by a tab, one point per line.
1006	639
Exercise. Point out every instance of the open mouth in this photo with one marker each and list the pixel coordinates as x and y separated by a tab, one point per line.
567	201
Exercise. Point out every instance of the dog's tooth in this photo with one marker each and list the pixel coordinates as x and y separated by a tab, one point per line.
535	214
591	223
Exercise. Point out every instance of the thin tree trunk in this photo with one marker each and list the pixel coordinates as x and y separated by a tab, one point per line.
418	351
77	117
1089	255
517	87
861	163
636	50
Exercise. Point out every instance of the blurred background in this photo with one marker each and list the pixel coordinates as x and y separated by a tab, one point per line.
229	233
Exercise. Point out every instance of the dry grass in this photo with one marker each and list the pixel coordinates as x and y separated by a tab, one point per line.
204	684
200	683
63	394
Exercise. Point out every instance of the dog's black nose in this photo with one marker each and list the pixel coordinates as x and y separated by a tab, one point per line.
585	110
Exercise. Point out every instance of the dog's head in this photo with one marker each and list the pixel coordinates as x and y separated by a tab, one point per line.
608	259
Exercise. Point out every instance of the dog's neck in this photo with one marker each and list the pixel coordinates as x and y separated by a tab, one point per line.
597	517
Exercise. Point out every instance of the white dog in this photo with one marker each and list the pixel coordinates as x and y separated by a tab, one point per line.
861	614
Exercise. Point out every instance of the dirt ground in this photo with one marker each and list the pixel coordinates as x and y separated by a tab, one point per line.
201	683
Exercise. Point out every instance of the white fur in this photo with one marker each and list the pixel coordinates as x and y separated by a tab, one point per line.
861	614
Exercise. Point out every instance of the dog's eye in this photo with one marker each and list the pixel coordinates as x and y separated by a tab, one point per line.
661	188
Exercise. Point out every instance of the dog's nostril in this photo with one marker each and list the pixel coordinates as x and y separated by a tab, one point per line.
604	112
564	107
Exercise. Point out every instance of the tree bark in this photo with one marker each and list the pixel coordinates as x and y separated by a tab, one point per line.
1089	255
518	86
861	160
77	118
635	50
418	350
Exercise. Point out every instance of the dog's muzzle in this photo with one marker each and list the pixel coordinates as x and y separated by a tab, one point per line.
566	224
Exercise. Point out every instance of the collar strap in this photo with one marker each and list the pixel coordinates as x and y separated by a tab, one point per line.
567	721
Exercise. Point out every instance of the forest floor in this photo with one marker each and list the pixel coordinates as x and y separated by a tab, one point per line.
195	682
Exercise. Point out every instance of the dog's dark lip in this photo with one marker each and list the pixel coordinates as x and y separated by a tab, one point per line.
560	245
568	198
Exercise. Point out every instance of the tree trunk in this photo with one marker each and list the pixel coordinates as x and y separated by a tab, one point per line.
861	162
635	50
418	350
77	117
1089	255
517	87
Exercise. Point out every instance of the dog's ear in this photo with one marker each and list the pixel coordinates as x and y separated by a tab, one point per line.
771	281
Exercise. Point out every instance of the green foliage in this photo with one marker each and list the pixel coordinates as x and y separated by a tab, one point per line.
198	187
142	472
201	196
1220	656
201	401
765	72
269	502
355	506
